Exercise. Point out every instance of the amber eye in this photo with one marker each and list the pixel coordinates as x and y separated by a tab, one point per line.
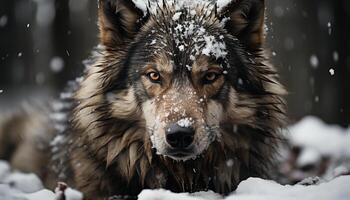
154	76
211	77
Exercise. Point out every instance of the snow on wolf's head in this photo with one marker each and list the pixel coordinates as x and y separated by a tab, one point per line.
190	73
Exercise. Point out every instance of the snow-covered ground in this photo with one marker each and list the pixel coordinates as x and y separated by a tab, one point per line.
19	186
314	144
258	189
317	149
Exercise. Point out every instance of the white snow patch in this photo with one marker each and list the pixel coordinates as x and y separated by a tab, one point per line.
4	169
259	189
27	183
185	122
330	140
177	16
141	4
255	188
222	4
20	186
317	141
70	194
73	194
162	194
153	42
308	156
41	195
181	47
214	47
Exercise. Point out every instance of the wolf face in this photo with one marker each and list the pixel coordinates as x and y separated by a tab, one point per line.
181	110
179	80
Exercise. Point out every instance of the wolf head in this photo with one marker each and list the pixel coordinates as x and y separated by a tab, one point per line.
178	77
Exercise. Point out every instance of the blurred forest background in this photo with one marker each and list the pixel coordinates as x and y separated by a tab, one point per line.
44	42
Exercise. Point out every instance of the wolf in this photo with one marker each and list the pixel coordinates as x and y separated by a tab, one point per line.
179	95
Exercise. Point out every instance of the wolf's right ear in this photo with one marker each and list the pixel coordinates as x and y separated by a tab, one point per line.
245	20
119	21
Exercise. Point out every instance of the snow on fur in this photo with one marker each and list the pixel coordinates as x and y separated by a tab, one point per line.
187	30
151	5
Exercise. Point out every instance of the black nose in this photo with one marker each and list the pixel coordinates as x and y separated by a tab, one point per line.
179	137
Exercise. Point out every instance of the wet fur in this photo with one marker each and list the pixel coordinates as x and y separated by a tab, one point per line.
112	150
107	149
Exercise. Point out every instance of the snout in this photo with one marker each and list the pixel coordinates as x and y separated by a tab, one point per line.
179	138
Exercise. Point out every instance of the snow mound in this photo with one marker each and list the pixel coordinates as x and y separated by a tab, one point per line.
312	133
27	183
317	149
21	186
259	189
165	194
4	169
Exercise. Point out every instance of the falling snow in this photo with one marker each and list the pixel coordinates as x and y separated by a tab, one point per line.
3	21
314	61
335	56
329	25
56	64
317	98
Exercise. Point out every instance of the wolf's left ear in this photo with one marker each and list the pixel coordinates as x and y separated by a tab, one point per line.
245	20
119	20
